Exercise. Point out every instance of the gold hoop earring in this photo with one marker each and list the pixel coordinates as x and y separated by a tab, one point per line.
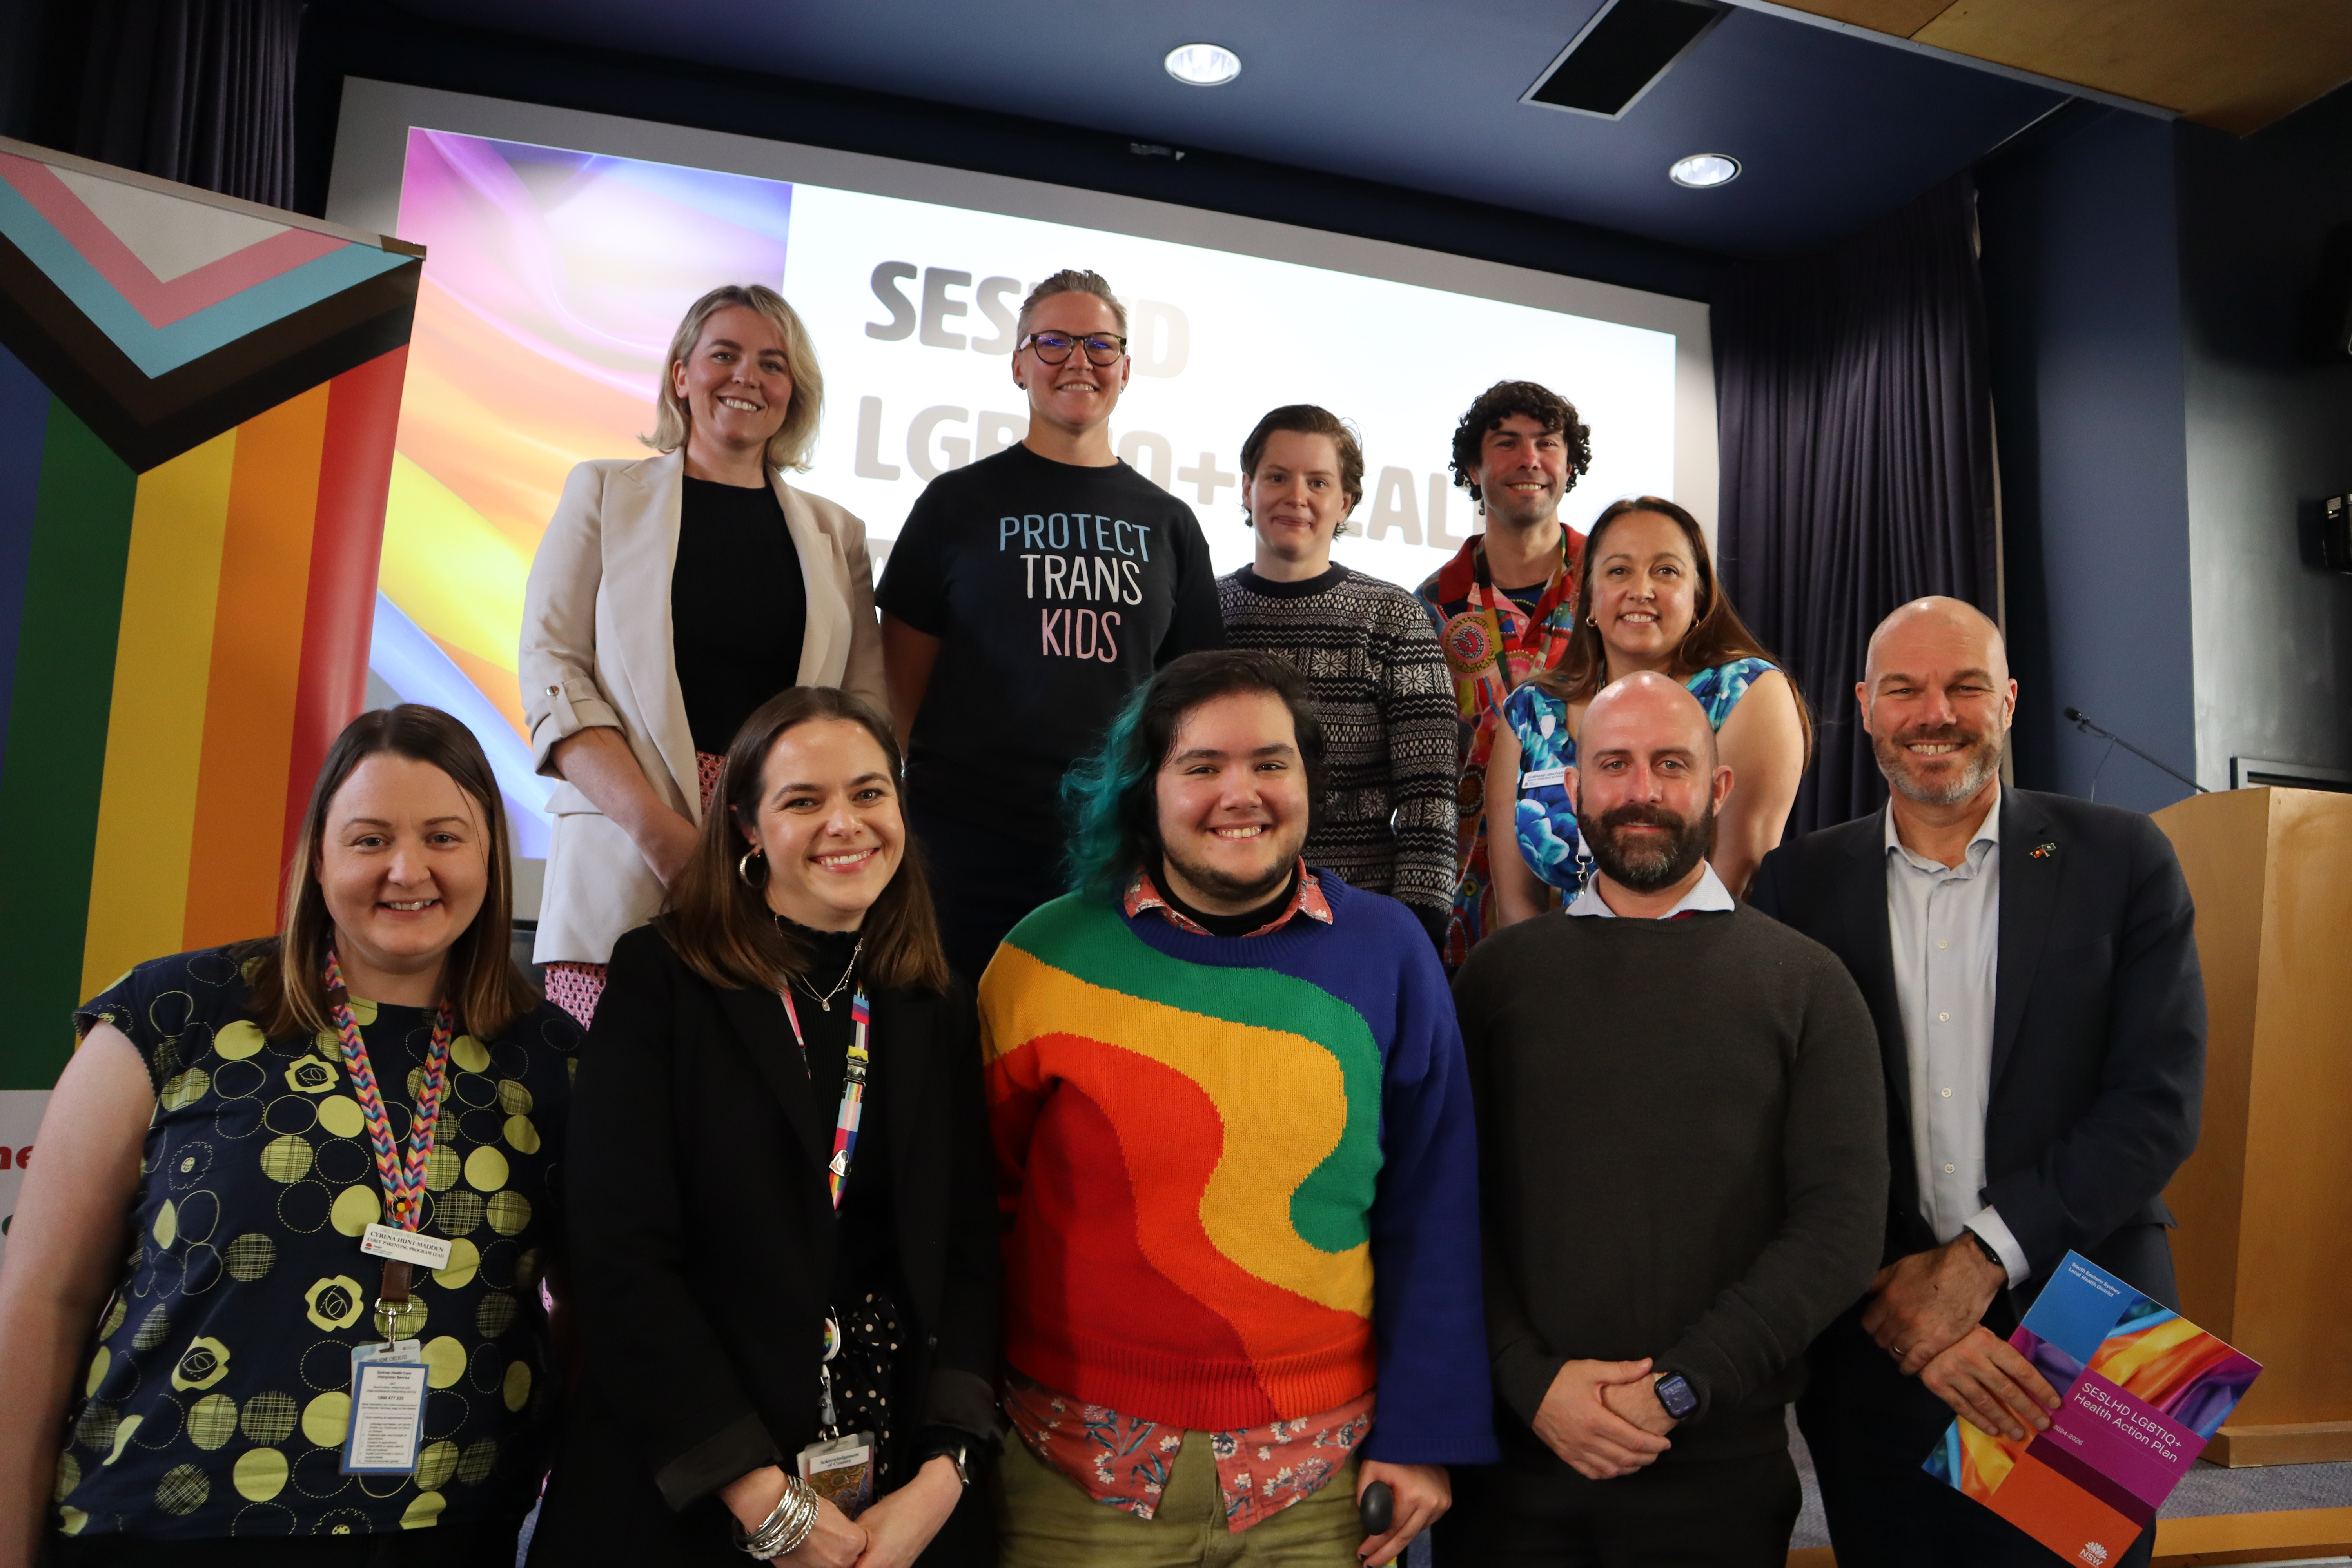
743	870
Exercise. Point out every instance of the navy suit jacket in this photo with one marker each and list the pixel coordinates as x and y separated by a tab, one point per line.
2098	1048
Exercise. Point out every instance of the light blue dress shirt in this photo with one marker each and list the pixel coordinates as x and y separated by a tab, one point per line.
1708	896
1943	923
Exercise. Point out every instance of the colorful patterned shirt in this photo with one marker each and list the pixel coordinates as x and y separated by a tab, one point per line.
1124	1463
1190	1131
1307	898
1492	644
1546	817
216	1399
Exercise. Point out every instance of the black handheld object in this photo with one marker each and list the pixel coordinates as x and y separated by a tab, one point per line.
1377	1508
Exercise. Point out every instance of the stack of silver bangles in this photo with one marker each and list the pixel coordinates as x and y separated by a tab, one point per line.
787	1527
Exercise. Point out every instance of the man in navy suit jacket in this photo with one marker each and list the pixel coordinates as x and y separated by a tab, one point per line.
2029	961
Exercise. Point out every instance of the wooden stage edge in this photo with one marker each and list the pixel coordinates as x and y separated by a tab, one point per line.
2214	1539
2300	1443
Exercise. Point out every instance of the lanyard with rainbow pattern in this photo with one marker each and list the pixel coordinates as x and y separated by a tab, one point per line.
404	1180
853	1085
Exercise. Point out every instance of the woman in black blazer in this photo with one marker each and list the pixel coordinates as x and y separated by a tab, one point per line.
744	1317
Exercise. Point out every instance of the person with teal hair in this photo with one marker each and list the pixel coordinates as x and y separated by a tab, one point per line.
1235	1156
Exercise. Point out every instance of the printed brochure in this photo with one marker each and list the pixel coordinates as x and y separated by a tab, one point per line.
2143	1391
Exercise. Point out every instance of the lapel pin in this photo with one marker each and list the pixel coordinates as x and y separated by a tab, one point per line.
2042	851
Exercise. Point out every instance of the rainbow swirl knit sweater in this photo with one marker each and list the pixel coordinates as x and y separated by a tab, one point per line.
1239	1176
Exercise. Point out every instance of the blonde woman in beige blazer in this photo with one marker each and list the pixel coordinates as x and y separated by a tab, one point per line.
662	599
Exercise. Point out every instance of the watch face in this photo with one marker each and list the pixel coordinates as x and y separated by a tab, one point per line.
1675	1394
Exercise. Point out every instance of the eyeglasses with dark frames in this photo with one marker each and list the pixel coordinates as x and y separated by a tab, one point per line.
1054	348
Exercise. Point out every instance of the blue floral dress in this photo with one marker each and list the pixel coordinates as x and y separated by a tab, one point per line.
1546	817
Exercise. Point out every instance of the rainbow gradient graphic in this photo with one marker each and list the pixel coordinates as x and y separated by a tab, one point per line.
197	402
552	282
2145	1390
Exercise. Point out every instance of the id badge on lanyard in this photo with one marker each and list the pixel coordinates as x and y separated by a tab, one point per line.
840	1468
390	1382
840	1471
388	1389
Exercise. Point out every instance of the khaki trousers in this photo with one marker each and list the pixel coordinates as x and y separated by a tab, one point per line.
1047	1520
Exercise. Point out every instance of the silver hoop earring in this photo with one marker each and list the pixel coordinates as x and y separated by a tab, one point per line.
743	870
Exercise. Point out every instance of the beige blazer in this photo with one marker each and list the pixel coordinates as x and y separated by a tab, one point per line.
596	649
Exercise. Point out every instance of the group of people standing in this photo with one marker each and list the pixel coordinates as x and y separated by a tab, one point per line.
1033	1068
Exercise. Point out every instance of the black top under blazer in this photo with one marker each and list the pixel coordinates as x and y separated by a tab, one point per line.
2098	1048
703	1247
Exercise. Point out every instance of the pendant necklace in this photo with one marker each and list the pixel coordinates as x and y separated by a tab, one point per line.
824	999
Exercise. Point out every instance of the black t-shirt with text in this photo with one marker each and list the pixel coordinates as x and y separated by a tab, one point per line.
1054	591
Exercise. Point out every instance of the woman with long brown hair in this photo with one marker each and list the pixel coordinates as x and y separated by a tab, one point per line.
787	1256
1650	601
323	1150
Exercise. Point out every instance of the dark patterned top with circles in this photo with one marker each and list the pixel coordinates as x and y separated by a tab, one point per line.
217	1400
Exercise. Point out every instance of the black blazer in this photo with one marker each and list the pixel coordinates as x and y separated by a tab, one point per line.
2098	1048
703	1241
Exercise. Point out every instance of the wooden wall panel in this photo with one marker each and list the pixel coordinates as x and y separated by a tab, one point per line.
2235	65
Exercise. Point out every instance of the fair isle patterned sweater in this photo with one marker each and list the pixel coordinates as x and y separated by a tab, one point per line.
1378	683
1239	1174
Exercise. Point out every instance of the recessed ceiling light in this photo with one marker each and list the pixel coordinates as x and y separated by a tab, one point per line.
1701	170
1203	65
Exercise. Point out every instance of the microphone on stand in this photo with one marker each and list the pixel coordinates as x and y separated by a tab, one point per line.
2075	714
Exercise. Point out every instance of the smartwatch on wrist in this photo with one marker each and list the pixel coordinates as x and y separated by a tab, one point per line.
1675	1393
1993	1253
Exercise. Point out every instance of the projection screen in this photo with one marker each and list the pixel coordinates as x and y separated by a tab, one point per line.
562	248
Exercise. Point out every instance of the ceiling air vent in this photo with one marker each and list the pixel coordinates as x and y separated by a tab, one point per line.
1622	53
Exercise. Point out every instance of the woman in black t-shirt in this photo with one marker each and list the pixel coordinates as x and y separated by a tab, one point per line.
227	1118
795	1246
670	596
1028	596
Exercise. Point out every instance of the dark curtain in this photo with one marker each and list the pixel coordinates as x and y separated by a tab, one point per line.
200	91
1856	435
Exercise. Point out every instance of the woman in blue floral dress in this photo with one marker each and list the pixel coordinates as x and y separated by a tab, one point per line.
1650	602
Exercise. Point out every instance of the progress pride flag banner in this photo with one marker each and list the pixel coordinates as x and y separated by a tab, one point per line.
2145	1389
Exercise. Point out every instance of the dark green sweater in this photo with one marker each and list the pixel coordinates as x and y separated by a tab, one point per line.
1682	1132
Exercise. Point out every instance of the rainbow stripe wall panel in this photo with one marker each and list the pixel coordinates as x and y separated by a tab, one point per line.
198	399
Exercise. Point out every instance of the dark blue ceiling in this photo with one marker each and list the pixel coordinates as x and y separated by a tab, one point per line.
1832	128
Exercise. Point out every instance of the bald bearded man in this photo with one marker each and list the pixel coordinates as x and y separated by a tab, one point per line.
2029	962
1683	1165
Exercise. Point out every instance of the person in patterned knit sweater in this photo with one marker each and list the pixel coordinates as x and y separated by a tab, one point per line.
1236	1161
1375	676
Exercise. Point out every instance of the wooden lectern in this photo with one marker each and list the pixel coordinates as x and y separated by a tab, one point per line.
2264	1206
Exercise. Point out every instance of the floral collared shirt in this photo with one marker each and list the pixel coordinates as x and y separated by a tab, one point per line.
1307	899
1492	643
1125	1463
